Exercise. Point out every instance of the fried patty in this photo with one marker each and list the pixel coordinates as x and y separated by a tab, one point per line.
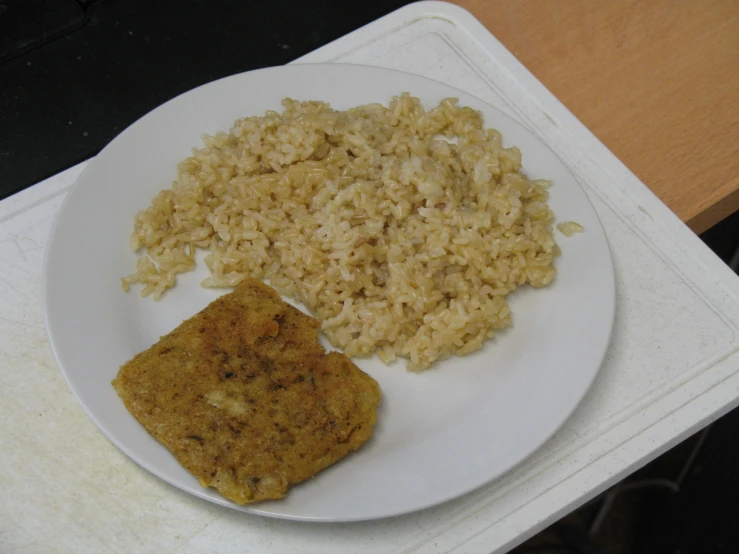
246	399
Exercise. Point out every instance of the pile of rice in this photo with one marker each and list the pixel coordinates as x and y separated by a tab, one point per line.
401	229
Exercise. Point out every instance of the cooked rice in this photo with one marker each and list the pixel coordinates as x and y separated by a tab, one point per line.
401	229
569	228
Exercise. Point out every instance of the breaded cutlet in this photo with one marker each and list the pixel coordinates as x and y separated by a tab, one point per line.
246	399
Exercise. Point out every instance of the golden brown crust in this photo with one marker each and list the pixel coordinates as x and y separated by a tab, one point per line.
246	399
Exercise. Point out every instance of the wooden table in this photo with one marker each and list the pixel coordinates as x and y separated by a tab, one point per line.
656	81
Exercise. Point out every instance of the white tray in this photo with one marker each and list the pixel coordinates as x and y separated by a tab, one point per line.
673	365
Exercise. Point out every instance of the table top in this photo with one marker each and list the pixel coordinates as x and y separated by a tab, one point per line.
655	81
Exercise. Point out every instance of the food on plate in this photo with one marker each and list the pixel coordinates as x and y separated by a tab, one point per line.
401	229
569	228
246	399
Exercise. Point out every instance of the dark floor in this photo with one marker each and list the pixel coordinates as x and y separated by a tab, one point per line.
74	73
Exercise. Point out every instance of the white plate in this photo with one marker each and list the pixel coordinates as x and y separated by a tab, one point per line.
440	434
